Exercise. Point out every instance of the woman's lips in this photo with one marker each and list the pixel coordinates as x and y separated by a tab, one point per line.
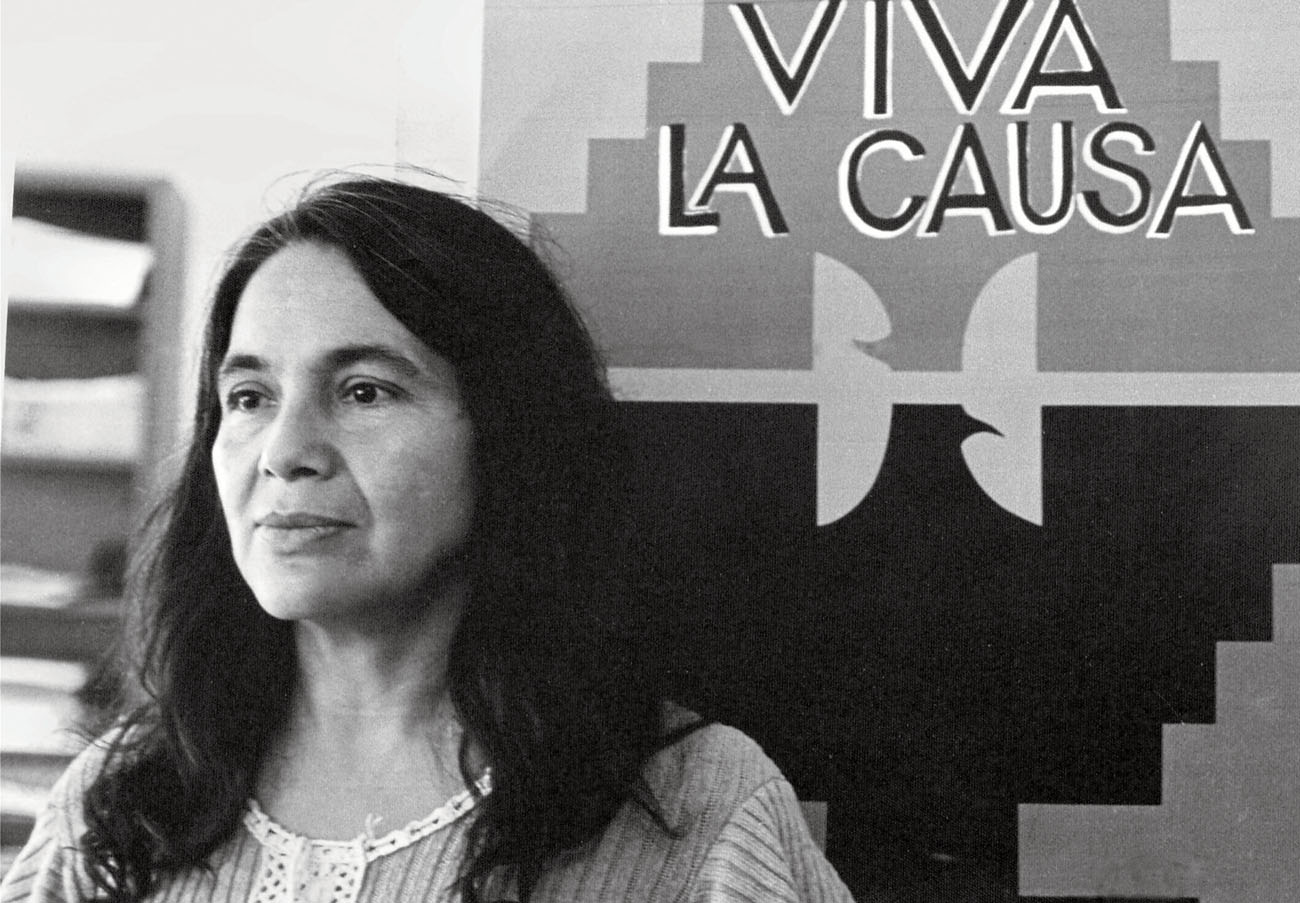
296	520
298	531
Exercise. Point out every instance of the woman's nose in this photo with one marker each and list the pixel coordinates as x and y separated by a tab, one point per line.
297	443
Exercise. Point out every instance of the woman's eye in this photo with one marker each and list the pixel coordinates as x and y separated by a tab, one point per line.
243	400
367	393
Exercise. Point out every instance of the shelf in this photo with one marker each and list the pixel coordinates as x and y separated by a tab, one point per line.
19	308
72	339
80	341
75	488
44	464
105	204
82	632
59	520
68	509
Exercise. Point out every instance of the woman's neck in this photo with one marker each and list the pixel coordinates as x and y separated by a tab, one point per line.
371	730
388	668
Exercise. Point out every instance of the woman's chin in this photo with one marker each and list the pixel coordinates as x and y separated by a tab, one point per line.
334	613
306	603
294	610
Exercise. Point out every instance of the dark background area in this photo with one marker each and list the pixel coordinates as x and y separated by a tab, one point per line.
930	661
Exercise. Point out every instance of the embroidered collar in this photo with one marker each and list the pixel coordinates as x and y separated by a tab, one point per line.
295	867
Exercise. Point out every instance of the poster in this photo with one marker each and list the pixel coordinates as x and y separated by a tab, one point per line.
963	345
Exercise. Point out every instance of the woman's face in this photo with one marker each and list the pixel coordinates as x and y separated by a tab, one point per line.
343	455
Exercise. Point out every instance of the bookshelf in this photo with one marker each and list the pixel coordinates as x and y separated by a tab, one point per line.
72	338
76	485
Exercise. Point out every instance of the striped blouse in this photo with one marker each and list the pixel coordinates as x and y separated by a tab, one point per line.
740	838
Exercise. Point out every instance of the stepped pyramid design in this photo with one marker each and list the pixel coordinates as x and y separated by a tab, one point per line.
925	689
1228	827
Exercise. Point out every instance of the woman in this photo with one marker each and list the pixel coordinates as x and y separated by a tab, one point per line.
386	656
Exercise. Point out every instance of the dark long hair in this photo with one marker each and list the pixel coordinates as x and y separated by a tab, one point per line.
544	670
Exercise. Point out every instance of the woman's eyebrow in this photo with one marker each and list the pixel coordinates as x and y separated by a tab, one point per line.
237	362
335	359
355	354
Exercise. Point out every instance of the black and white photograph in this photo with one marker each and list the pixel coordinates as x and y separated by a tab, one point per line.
682	451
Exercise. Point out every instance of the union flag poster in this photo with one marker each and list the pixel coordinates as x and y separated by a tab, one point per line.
962	345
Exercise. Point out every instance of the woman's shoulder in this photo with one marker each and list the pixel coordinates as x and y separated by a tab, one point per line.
721	820
706	764
64	805
48	867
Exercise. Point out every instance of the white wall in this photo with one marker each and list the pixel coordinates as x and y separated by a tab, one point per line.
224	98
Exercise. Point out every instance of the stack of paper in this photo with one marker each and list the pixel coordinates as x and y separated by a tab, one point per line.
78	420
50	264
23	584
38	708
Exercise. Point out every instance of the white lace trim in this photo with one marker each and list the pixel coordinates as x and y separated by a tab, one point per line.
297	869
